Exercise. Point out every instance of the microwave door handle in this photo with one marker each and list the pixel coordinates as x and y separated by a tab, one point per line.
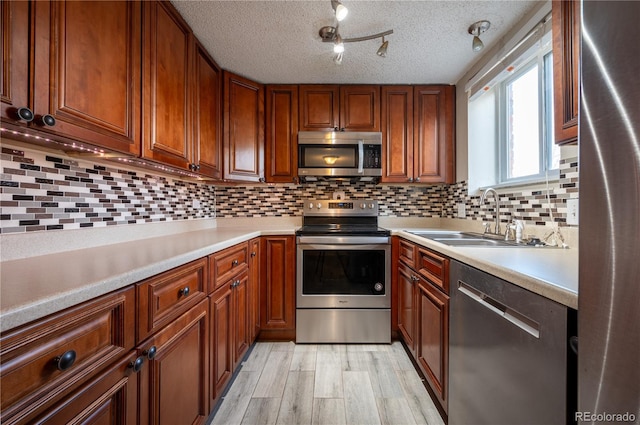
360	157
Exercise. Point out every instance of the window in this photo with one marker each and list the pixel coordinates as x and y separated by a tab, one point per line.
526	149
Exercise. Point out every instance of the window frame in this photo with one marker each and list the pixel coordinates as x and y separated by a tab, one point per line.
543	58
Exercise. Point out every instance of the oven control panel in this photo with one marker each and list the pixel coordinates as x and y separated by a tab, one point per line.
362	208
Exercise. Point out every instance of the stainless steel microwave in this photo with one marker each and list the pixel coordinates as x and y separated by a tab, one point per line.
339	154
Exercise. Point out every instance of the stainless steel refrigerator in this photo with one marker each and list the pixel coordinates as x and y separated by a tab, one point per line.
609	143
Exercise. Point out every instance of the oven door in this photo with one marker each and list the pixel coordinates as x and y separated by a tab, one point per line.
343	272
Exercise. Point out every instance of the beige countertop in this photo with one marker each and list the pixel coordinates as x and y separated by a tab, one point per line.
550	272
34	287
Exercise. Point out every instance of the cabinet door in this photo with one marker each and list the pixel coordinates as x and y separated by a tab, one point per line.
241	316
14	84
243	129
319	105
167	104
87	71
174	385
221	341
282	134
360	108
254	288
43	361
407	306
207	134
566	60
397	134
433	135
278	286
433	338
111	398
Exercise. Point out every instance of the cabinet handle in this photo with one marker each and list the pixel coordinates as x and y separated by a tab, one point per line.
261	180
253	254
151	352
410	179
197	167
66	360
25	114
184	291
137	364
192	167
48	120
234	262
417	179
414	278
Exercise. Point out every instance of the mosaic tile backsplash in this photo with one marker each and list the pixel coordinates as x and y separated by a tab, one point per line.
40	191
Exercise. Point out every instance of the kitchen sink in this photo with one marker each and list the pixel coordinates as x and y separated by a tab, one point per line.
455	238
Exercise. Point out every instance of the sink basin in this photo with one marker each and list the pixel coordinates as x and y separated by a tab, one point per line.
455	238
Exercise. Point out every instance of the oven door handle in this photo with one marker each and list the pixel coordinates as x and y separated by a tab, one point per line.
344	240
360	157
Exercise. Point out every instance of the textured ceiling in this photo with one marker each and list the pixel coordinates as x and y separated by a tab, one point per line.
277	42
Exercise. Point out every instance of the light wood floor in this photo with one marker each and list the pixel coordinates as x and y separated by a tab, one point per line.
285	383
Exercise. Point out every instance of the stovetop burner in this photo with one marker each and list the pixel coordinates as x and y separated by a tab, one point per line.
347	218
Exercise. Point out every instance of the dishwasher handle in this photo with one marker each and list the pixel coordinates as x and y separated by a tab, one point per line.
520	320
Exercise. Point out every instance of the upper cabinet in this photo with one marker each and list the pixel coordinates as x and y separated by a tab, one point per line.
281	133
167	111
243	129
345	107
566	77
418	134
69	87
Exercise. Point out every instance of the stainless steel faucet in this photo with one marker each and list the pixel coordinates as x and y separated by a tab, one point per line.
498	230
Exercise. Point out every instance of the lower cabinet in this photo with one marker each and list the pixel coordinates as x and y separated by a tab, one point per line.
423	313
278	288
221	341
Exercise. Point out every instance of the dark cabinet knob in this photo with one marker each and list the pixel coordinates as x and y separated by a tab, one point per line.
151	352
253	254
48	120
336	129
25	114
234	262
261	180
197	168
66	360
137	364
184	291
417	179
410	179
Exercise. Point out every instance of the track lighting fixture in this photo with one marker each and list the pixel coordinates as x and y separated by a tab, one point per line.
382	51
338	46
476	29
339	9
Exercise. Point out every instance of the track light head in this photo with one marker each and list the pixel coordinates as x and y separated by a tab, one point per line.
476	29
340	10
382	51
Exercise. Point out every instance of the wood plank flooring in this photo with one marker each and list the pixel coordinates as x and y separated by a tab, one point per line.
285	383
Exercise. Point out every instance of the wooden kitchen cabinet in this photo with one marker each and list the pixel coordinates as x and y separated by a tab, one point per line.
227	263
168	52
407	306
422	279
243	129
565	17
174	381
111	398
277	291
345	107
281	134
319	107
44	361
397	133
207	123
254	288
164	297
418	134
433	337
89	92
221	336
434	134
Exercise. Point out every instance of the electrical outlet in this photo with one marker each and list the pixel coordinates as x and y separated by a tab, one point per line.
572	212
462	210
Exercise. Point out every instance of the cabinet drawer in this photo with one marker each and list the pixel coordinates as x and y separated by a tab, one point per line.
45	360
407	253
434	268
227	263
164	297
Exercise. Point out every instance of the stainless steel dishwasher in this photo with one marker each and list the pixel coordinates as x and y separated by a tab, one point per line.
508	353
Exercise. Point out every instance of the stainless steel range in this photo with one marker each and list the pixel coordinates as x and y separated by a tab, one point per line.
343	274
